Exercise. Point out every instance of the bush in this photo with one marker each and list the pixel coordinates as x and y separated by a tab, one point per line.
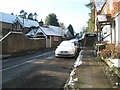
111	51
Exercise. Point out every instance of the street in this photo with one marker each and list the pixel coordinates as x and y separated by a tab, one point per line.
60	44
44	70
39	71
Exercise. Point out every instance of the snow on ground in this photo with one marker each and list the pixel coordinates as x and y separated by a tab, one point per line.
72	80
116	62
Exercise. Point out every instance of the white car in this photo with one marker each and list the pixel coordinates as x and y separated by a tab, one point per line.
66	49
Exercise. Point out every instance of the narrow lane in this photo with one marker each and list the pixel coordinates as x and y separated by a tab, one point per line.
47	72
13	67
18	61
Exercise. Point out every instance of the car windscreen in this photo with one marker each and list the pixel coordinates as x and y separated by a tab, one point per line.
66	44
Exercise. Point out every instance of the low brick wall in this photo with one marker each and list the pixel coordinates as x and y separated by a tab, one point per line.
18	42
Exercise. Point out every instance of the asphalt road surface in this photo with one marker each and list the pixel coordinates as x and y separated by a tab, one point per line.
36	71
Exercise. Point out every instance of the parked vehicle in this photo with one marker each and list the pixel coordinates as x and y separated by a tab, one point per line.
91	35
76	43
66	49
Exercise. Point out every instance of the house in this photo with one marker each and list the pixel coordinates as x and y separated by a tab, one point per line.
68	34
108	21
53	36
65	33
15	23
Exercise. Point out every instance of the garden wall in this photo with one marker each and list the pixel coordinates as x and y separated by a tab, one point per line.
15	42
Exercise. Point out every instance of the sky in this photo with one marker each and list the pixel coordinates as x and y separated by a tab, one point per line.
72	12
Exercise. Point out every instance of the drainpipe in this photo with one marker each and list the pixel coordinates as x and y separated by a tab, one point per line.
97	34
100	35
111	31
23	19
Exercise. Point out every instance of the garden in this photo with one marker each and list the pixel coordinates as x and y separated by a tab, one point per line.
111	55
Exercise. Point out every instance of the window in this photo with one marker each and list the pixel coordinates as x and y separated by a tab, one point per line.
111	4
105	11
56	39
48	37
19	27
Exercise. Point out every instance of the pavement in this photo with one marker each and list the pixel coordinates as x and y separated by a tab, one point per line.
93	72
90	75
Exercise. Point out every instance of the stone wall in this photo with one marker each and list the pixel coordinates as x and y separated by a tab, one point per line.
17	42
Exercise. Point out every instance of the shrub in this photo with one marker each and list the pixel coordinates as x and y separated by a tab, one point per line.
111	51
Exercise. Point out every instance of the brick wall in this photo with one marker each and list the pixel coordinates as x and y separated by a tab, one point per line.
18	42
115	9
55	43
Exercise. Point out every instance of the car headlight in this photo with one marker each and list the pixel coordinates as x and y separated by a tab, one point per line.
57	52
72	52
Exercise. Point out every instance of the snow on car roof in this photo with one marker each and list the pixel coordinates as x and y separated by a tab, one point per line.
66	43
75	39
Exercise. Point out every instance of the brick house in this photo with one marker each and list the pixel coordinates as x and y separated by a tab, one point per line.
53	39
110	21
52	34
10	22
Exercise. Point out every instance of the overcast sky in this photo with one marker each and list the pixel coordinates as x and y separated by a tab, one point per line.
68	11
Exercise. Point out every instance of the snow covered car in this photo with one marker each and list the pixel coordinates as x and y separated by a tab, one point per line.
91	35
66	49
76	43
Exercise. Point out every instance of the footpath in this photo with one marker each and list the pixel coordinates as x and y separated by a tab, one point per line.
93	73
89	71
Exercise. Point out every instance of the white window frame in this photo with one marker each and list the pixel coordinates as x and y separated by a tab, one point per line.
111	4
105	10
